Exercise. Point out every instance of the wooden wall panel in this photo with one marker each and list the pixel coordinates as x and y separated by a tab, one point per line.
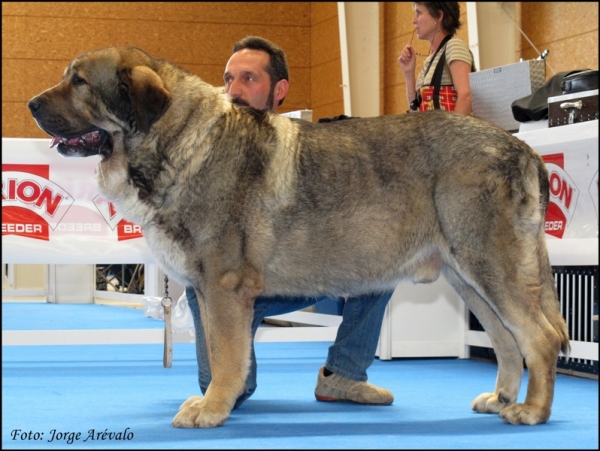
326	63
266	13
328	110
13	88
326	86
568	54
14	122
325	42
568	29
554	21
40	38
13	35
321	11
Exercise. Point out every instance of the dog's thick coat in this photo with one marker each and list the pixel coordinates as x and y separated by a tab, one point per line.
239	202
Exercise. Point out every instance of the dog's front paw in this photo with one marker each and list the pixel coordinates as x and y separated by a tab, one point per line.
191	400
525	414
197	413
490	403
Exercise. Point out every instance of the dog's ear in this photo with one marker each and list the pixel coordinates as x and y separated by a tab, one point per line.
148	95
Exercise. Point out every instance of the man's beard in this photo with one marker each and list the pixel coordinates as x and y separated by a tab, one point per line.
240	102
270	99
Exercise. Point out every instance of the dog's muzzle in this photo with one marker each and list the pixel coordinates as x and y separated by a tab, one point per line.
87	142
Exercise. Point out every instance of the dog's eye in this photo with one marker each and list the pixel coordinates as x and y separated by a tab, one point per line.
77	80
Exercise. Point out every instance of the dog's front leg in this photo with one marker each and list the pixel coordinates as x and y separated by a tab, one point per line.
227	312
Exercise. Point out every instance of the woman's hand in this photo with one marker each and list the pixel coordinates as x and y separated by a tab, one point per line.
408	59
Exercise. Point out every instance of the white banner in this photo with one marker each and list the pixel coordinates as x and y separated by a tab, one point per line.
571	156
52	212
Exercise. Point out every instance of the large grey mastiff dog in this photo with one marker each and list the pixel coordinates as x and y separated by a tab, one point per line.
239	202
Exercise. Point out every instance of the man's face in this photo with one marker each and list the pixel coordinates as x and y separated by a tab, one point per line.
247	82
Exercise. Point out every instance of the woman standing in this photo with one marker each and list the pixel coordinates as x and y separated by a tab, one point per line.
444	81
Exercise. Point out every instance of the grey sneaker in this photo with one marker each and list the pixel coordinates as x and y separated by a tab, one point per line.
338	388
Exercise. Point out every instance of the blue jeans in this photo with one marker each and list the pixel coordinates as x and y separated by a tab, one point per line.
350	355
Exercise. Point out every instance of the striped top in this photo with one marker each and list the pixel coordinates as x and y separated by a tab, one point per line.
456	49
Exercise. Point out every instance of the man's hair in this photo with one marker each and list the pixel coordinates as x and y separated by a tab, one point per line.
278	66
451	21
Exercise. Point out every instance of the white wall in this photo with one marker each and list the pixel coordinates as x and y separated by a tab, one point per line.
492	34
359	46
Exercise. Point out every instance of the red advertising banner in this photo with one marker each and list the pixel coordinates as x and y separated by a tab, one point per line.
52	212
571	156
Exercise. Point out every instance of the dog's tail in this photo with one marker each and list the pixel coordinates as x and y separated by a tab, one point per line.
549	296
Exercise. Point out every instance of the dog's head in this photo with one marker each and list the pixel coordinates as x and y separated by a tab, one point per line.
104	95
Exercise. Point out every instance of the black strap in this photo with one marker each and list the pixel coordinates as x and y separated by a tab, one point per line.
446	39
436	80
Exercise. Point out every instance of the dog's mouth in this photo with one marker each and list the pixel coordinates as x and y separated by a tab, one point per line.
96	142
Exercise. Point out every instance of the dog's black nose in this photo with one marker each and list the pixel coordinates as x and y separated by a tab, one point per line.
34	104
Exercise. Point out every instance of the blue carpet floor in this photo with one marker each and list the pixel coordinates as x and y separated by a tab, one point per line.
124	390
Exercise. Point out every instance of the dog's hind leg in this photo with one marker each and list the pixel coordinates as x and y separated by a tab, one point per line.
549	297
514	295
227	312
540	342
494	235
510	360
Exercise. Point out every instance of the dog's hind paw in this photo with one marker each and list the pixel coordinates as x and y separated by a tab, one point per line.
525	414
490	403
197	413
